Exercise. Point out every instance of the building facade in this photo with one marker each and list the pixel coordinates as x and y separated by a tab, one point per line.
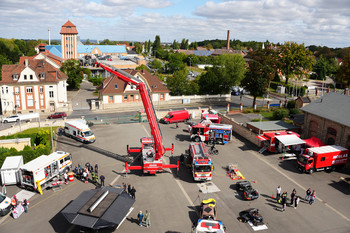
328	118
115	92
33	85
69	40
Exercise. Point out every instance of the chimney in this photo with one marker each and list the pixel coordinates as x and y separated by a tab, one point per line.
26	62
228	40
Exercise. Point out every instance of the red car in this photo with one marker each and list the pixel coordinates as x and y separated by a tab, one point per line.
57	115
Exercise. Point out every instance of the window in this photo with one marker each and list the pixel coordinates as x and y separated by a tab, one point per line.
116	86
30	102
29	90
51	94
41	102
132	97
323	158
7	90
16	90
41	89
31	77
42	75
332	131
125	97
25	77
15	76
111	97
18	104
2	90
162	96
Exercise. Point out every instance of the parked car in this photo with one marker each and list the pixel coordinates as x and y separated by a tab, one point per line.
57	115
13	118
251	215
246	190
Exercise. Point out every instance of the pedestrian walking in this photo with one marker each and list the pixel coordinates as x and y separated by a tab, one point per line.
25	204
102	178
65	178
124	187
292	196
91	169
312	197
129	189
133	192
140	217
96	168
308	193
278	194
85	177
87	165
148	218
284	201
296	202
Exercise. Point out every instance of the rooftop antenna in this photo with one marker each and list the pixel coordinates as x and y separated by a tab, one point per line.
49	36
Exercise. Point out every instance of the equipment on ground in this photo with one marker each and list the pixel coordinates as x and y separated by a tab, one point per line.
199	161
234	173
152	148
251	215
79	130
218	133
40	172
211	115
322	158
246	190
207	221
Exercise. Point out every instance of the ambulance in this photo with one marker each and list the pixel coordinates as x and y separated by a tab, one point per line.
79	130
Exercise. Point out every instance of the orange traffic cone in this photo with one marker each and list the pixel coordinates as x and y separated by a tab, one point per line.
272	197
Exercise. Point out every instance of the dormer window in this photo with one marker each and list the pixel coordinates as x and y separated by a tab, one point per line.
42	75
115	86
15	76
31	77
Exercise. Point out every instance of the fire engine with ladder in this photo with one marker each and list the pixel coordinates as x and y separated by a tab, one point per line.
152	149
199	160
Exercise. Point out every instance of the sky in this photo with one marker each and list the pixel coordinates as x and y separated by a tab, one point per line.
312	22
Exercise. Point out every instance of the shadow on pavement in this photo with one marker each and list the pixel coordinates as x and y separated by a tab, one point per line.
341	186
289	165
59	223
182	137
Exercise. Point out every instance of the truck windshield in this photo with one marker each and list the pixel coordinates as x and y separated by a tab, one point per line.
167	116
88	133
202	168
303	159
2	197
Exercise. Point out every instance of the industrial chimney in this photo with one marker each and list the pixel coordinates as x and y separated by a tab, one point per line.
228	40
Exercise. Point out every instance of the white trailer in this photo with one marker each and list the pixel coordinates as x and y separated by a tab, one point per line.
44	169
79	131
20	117
9	170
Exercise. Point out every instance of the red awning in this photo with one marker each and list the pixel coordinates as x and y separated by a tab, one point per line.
262	138
314	142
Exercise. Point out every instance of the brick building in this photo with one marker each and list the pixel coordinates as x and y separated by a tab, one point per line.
328	118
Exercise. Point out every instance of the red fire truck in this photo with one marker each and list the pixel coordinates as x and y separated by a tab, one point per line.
322	158
152	148
219	133
200	161
277	141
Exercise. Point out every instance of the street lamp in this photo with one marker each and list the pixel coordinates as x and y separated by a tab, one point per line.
52	135
190	64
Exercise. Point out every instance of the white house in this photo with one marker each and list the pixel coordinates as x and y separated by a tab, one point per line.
34	85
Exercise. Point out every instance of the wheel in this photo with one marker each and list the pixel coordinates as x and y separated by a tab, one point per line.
17	120
216	152
5	121
197	139
311	171
51	117
167	122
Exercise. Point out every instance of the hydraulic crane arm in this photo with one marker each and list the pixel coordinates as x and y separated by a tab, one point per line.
147	103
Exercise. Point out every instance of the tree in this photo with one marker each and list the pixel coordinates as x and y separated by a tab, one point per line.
175	45
296	60
3	61
156	65
74	72
228	70
262	69
184	44
343	75
138	48
176	62
156	49
87	42
142	67
178	84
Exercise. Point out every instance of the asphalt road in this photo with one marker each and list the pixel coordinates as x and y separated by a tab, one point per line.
173	200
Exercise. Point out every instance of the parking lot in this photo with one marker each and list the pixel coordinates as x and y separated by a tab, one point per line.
173	200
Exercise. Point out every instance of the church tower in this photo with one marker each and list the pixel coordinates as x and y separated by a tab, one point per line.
69	41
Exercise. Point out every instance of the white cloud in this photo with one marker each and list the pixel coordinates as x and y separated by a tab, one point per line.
310	21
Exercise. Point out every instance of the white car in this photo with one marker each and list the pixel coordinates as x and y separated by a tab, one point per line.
13	118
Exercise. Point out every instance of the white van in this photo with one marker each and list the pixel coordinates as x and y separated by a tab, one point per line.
79	130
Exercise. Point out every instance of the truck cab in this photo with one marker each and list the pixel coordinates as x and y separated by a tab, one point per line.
306	163
199	160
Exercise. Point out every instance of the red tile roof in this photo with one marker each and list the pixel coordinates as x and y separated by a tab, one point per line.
69	28
52	75
153	82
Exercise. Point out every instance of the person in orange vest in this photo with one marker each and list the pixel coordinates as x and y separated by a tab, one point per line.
14	202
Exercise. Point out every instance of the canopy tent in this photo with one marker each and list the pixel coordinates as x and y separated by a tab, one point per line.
289	140
110	212
313	142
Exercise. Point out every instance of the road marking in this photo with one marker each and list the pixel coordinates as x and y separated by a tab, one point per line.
329	206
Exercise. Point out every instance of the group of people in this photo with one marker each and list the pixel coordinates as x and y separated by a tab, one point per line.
294	198
15	203
83	173
146	217
129	190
